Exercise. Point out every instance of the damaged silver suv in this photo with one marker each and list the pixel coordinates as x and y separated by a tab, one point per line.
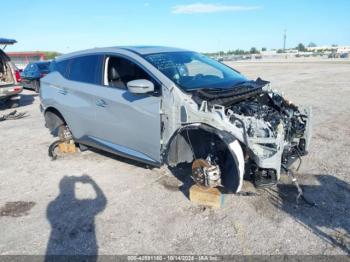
162	105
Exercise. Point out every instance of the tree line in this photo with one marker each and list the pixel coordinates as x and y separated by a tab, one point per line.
300	47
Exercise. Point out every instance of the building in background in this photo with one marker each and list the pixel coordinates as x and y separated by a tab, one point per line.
343	49
21	59
334	48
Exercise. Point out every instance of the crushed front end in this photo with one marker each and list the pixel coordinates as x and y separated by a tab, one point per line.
273	131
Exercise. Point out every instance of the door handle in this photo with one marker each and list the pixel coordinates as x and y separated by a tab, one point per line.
62	91
101	103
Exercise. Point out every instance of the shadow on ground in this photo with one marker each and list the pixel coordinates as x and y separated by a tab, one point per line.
183	173
26	99
72	221
329	219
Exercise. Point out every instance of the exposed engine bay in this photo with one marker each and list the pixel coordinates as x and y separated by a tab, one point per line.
274	111
273	130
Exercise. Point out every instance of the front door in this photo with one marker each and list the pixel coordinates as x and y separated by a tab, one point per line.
127	123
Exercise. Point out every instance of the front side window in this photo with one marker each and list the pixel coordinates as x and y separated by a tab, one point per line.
85	69
193	71
119	71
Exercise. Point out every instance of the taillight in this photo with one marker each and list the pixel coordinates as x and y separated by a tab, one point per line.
18	76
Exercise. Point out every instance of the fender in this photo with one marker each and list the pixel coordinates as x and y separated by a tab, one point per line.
233	180
53	120
179	151
237	154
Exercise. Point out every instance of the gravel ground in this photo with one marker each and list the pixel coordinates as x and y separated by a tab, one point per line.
93	202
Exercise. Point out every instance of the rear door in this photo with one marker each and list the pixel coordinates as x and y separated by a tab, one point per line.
75	94
127	123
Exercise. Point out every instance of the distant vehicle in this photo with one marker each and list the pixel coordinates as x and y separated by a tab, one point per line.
9	77
163	105
32	73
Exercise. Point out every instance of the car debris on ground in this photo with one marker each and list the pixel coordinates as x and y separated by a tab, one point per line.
14	115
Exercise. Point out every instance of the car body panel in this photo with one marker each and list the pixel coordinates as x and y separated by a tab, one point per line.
10	91
6	41
74	101
86	119
129	120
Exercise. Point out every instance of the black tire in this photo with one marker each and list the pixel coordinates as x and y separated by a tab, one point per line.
36	85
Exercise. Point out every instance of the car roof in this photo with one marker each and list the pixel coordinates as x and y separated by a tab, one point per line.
140	50
41	62
145	50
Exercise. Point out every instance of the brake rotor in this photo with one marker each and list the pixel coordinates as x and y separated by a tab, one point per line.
198	173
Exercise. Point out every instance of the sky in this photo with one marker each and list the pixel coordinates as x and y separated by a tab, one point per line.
204	26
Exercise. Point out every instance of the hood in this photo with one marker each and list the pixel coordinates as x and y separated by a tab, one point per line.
227	97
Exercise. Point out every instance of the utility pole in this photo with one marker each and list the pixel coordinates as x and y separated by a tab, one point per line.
284	39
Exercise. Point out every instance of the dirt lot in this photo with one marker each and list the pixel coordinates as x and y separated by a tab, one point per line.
94	202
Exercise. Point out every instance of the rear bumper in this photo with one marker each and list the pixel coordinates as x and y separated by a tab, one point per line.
9	91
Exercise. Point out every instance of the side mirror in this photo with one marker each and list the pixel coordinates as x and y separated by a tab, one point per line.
140	86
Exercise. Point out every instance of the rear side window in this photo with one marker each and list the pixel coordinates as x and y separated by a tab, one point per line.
86	69
61	67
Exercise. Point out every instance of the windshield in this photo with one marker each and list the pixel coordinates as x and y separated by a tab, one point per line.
193	71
